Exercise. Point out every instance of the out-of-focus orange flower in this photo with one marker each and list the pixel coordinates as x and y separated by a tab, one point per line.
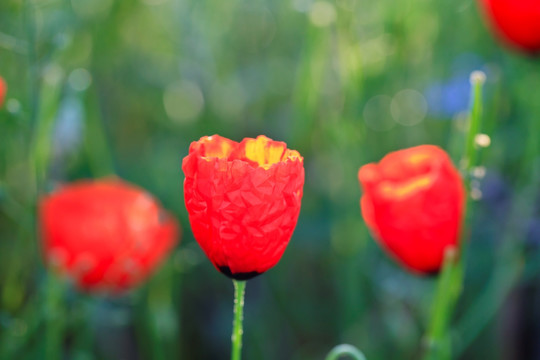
243	201
106	235
3	91
413	202
516	22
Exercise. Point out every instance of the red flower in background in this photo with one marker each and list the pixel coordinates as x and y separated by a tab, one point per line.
517	22
3	91
105	235
243	201
413	204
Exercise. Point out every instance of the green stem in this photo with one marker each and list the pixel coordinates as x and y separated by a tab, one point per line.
450	282
477	83
510	267
33	96
447	293
239	291
54	318
345	350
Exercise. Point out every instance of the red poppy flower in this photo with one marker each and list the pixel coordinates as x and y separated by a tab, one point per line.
243	201
516	22
413	204
105	235
3	91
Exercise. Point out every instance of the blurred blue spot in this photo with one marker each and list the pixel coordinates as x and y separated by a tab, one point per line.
69	127
448	98
496	196
532	238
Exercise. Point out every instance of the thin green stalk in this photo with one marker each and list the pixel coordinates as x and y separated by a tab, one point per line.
33	96
510	267
345	350
447	293
239	292
41	146
84	338
450	282
54	323
470	156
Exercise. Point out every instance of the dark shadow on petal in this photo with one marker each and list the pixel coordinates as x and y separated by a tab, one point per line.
431	273
237	276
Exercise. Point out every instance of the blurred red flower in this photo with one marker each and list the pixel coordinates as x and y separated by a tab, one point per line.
243	201
3	91
413	204
516	22
106	234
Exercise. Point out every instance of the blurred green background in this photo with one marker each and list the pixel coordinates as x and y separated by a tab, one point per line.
101	87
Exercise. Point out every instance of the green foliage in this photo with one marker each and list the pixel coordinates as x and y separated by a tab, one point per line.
103	87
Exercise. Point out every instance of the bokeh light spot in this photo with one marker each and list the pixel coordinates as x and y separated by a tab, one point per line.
478	172
183	101
53	74
478	77
322	14
482	140
476	193
80	79
408	107
13	106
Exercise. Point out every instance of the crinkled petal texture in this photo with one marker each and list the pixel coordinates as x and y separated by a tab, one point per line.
243	201
3	91
516	22
413	203
106	235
